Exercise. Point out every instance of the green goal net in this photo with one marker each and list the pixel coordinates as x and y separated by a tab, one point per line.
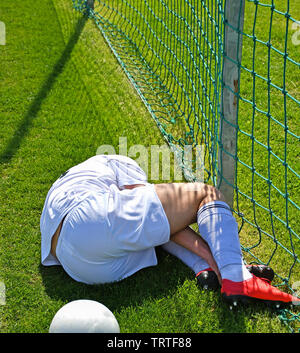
224	74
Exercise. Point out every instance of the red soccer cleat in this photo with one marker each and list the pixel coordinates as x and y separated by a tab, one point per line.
255	289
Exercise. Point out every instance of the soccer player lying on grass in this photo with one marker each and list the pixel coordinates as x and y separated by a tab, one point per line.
102	220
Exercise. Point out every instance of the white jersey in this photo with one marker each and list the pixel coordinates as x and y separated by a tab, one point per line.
92	196
96	174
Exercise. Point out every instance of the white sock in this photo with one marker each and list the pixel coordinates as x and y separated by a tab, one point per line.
236	273
193	261
219	229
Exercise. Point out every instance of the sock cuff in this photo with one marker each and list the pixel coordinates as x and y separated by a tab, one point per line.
213	207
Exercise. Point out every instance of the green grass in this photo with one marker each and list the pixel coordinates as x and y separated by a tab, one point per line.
62	95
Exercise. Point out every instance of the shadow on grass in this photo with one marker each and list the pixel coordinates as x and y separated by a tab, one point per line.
152	282
159	282
23	128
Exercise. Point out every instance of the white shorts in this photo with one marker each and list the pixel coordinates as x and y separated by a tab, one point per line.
110	236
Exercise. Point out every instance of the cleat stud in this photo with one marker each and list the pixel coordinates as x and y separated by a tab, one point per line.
235	303
205	287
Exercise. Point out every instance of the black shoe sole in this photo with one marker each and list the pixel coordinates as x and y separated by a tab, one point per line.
208	280
261	271
235	301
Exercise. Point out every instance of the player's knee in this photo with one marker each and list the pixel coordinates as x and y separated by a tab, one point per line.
212	194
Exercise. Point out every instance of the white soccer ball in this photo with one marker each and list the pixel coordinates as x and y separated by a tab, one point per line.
84	316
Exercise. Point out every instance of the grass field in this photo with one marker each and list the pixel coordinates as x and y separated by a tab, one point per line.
62	95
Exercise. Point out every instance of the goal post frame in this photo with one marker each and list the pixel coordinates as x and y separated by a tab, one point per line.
228	125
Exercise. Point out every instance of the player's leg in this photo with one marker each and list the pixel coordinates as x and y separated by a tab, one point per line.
186	203
193	251
206	271
181	202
